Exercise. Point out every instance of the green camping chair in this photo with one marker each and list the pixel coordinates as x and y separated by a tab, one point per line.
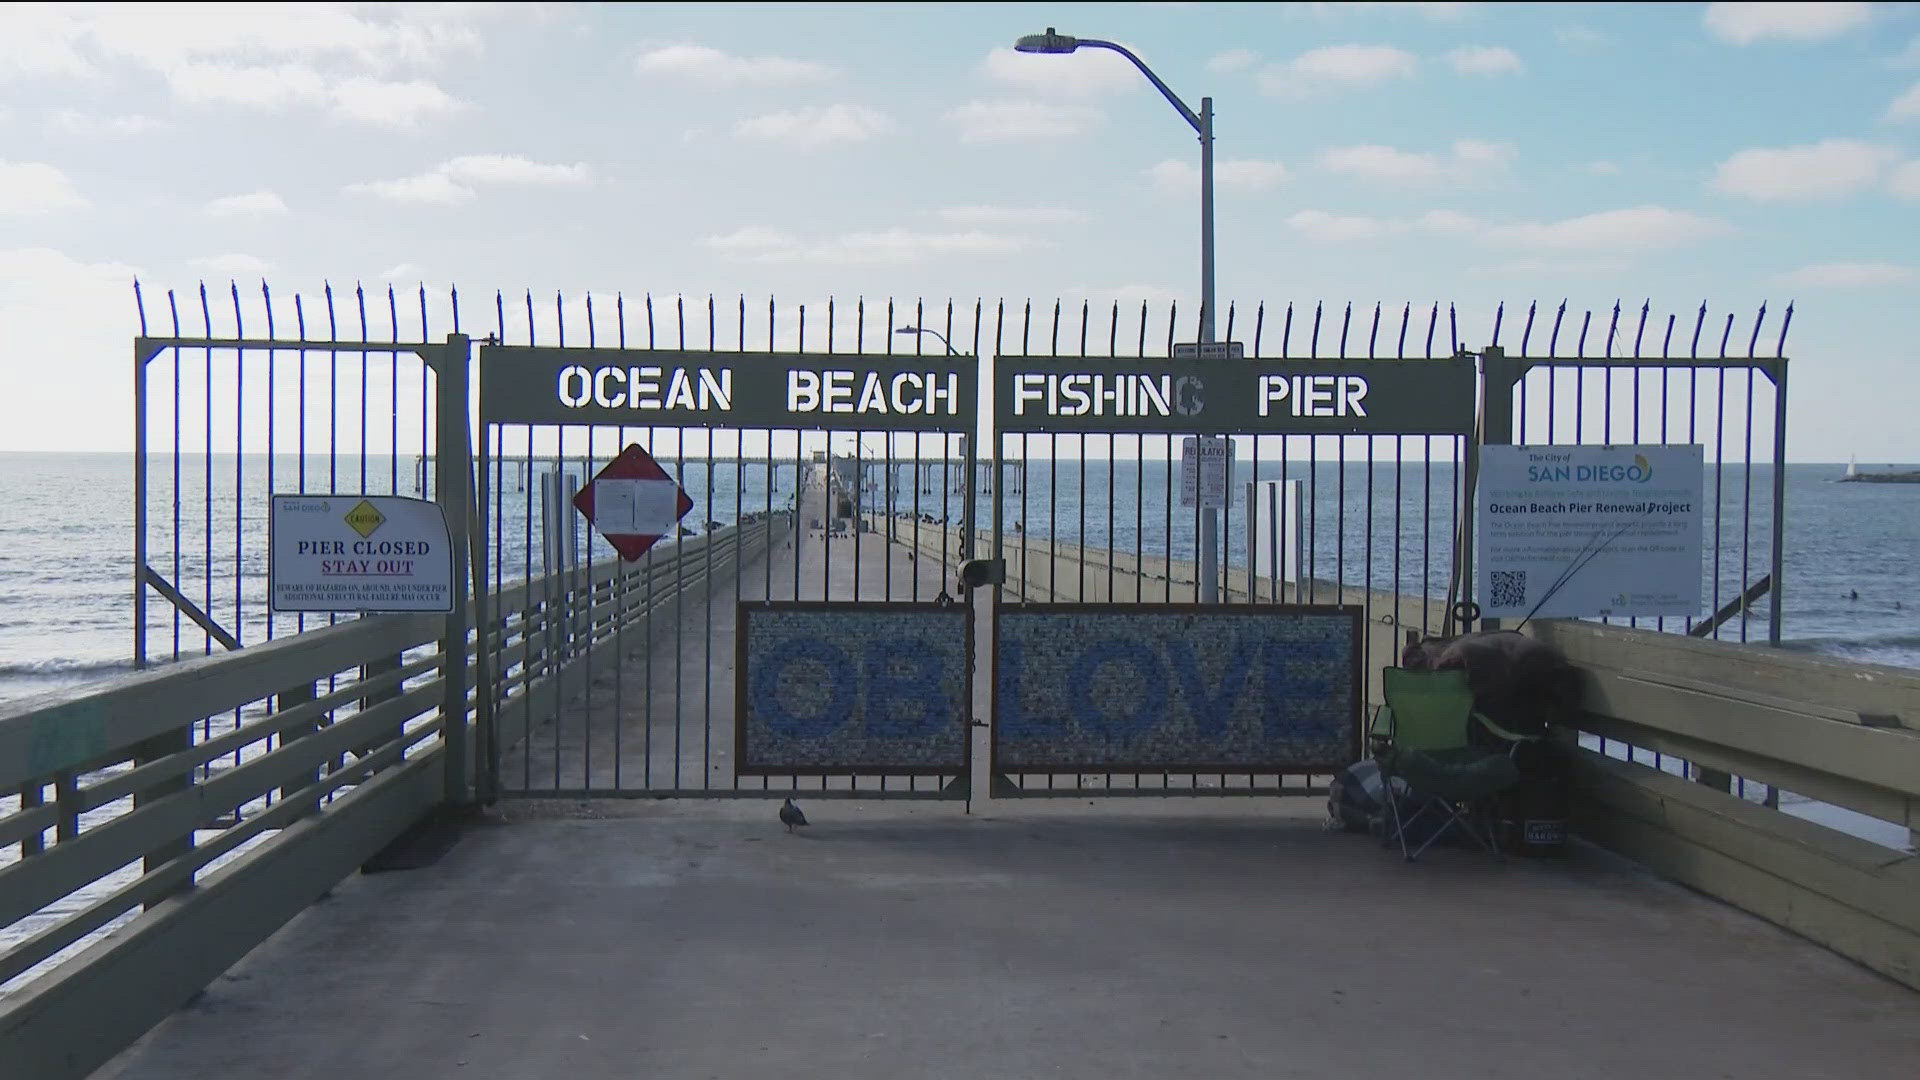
1421	736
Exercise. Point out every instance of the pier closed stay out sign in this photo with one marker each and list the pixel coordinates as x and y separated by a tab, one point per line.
358	553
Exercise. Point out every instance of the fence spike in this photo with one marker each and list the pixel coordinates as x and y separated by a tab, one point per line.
1758	321
1786	320
1499	314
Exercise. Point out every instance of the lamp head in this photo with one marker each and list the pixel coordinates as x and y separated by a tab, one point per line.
1049	42
908	330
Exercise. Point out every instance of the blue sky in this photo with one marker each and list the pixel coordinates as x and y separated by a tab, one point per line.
1731	153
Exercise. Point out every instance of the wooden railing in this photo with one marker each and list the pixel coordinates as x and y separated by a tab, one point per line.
194	810
1719	714
155	828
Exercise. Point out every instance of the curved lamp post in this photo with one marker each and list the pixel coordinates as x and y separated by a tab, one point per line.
1053	42
930	330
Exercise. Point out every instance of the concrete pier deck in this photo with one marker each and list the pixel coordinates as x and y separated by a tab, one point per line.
1226	940
1209	938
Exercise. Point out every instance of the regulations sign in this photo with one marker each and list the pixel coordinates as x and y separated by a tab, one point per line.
1204	462
366	553
1568	531
633	502
1224	397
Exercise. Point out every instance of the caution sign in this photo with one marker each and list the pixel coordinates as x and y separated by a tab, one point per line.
358	553
633	502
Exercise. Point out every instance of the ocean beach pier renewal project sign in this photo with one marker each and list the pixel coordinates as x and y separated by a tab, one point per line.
843	688
358	553
1570	531
1111	688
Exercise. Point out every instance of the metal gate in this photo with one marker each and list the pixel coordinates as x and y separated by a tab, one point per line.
269	394
619	679
571	642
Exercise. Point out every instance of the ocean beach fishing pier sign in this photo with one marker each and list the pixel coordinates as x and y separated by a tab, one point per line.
669	388
358	553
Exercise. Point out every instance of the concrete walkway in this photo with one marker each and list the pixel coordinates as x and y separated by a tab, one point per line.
698	940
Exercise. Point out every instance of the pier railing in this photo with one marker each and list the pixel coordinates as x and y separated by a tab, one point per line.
1705	747
194	810
156	828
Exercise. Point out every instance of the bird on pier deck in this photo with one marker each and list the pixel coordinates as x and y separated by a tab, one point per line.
791	816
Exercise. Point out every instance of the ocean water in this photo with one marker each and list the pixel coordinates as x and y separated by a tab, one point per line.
67	541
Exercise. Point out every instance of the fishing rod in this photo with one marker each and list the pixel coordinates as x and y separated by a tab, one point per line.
1579	563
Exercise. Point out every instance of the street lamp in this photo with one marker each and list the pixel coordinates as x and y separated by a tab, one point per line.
930	330
1054	43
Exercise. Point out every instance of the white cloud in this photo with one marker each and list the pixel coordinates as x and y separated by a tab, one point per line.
514	169
987	121
159	38
1851	275
455	180
398	106
40	42
1824	169
404	272
815	127
1601	168
249	86
1907	105
1446	221
1321	225
1183	177
1233	60
52	305
1433	12
1584	38
708	65
1009	216
1745	24
258	57
431	188
1905	180
1470	160
1485	60
68	122
1086	73
889	246
32	187
254	204
1627	231
1338	66
232	265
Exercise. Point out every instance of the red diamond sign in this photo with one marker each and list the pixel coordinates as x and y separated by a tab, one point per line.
633	502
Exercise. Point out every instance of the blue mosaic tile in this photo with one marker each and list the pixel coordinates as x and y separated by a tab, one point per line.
853	690
1086	691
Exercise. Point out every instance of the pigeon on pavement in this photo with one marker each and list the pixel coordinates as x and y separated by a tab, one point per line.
791	816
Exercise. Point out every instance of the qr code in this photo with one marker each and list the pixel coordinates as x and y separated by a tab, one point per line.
1509	588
